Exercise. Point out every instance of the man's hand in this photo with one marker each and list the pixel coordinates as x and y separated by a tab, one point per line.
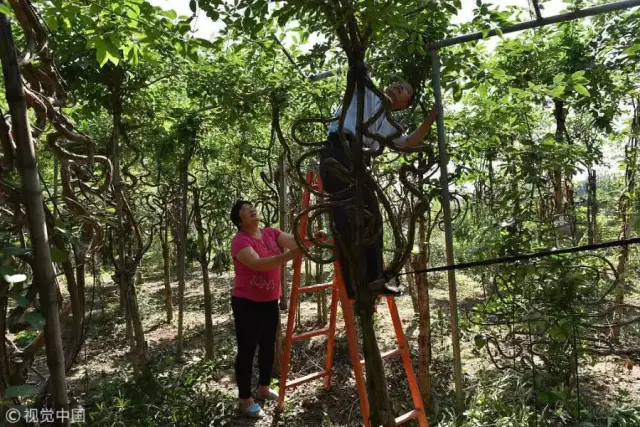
432	116
416	137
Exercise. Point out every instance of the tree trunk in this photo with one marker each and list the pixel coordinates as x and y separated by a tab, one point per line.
181	242
204	263
282	194
43	274
377	386
424	314
592	208
282	187
166	259
4	363
123	308
424	332
125	270
76	293
411	281
626	202
558	188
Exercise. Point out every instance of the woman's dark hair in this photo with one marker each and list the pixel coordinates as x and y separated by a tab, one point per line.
235	211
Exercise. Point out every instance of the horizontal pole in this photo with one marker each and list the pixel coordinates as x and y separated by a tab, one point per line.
314	288
564	17
310	334
306	379
387	354
407	417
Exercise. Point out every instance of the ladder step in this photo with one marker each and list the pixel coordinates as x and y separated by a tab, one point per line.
314	288
306	379
310	334
408	416
387	354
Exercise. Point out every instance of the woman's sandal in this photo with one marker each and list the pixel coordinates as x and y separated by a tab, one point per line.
253	411
272	395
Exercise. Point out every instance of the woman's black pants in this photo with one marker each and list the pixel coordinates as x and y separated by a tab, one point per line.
256	325
341	214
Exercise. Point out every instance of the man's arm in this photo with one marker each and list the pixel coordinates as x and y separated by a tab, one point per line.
249	257
288	241
418	135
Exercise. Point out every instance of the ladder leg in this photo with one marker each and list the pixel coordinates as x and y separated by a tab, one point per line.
288	339
332	335
352	340
293	301
406	360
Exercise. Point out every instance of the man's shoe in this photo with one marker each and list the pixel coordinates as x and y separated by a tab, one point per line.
384	287
390	290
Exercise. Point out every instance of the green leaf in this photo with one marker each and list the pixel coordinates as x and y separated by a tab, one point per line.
557	91
631	50
479	342
450	7
214	15
113	52
20	391
558	78
171	14
557	333
52	22
193	6
58	255
498	72
6	10
21	300
549	140
547	397
35	319
577	75
581	90
101	52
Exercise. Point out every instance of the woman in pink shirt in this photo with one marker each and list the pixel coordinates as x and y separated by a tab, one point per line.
258	253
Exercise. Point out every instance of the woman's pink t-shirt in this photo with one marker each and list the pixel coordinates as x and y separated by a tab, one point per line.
257	286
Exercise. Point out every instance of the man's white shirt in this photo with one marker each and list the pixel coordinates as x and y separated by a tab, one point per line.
380	127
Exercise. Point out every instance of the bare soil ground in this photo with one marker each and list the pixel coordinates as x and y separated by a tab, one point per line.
105	353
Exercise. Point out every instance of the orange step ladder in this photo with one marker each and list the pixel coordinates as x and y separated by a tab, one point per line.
338	291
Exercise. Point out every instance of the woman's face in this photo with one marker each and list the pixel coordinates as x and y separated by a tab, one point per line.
249	216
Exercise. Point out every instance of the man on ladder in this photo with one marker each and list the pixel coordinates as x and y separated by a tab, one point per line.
401	96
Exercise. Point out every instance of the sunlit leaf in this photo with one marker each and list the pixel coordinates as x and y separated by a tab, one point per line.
6	10
58	255
581	90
